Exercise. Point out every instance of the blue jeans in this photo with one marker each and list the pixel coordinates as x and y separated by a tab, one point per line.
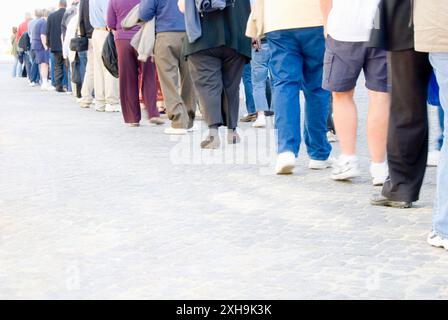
442	126
434	100
34	75
261	76
439	62
16	68
83	63
248	89
297	63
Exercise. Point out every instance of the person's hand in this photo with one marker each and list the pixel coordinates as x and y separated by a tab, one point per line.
181	5
256	44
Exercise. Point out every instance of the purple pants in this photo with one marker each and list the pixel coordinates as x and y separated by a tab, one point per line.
130	69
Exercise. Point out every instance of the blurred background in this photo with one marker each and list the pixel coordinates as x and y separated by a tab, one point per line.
12	14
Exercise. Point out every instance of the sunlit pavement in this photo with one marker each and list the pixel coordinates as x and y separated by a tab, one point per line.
91	208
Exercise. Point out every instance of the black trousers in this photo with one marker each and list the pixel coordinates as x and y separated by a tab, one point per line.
407	145
59	63
217	74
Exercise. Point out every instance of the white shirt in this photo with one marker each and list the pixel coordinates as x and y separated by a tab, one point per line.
352	20
72	28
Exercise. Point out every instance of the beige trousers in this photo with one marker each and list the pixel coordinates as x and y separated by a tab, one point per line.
106	85
175	81
87	87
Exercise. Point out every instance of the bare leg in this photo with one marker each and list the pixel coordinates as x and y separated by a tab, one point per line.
346	121
377	125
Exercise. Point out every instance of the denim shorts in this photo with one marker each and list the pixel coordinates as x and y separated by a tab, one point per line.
344	62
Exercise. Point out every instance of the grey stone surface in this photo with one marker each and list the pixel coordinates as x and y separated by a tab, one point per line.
90	208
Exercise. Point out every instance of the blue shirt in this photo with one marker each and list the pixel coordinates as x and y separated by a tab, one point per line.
166	12
98	13
39	29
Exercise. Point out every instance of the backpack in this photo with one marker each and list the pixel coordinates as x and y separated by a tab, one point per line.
24	43
207	6
110	56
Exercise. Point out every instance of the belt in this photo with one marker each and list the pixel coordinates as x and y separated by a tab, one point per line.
102	29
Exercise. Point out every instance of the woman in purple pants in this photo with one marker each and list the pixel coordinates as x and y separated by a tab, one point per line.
130	69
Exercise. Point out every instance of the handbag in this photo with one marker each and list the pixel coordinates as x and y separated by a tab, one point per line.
79	43
110	56
75	69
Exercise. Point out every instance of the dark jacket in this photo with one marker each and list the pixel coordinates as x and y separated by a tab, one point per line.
54	32
85	28
394	29
224	28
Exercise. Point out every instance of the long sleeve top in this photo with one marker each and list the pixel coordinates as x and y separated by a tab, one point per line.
85	28
118	10
166	12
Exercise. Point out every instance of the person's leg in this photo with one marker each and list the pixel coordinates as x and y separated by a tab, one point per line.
44	73
167	57
312	44
260	75
407	146
128	66
88	83
58	70
206	73
52	70
187	91
442	136
111	87
377	125
345	118
149	88
98	39
232	70
286	66
440	218
248	89
14	73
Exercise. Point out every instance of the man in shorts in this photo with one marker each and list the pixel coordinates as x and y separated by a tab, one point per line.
348	26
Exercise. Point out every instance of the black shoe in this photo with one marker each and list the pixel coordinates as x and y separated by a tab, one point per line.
60	90
249	118
380	200
269	113
211	142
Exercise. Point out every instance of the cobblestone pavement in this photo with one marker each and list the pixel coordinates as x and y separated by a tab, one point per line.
90	208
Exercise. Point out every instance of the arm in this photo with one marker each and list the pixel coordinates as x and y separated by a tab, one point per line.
111	16
148	10
43	36
82	24
326	6
47	34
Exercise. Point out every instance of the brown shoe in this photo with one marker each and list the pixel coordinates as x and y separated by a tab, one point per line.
249	118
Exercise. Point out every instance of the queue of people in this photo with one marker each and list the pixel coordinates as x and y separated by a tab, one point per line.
201	51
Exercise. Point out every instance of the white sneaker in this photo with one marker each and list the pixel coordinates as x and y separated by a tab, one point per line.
33	84
379	173
112	108
50	88
345	168
194	128
286	162
433	158
260	122
320	164
331	137
175	132
437	241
